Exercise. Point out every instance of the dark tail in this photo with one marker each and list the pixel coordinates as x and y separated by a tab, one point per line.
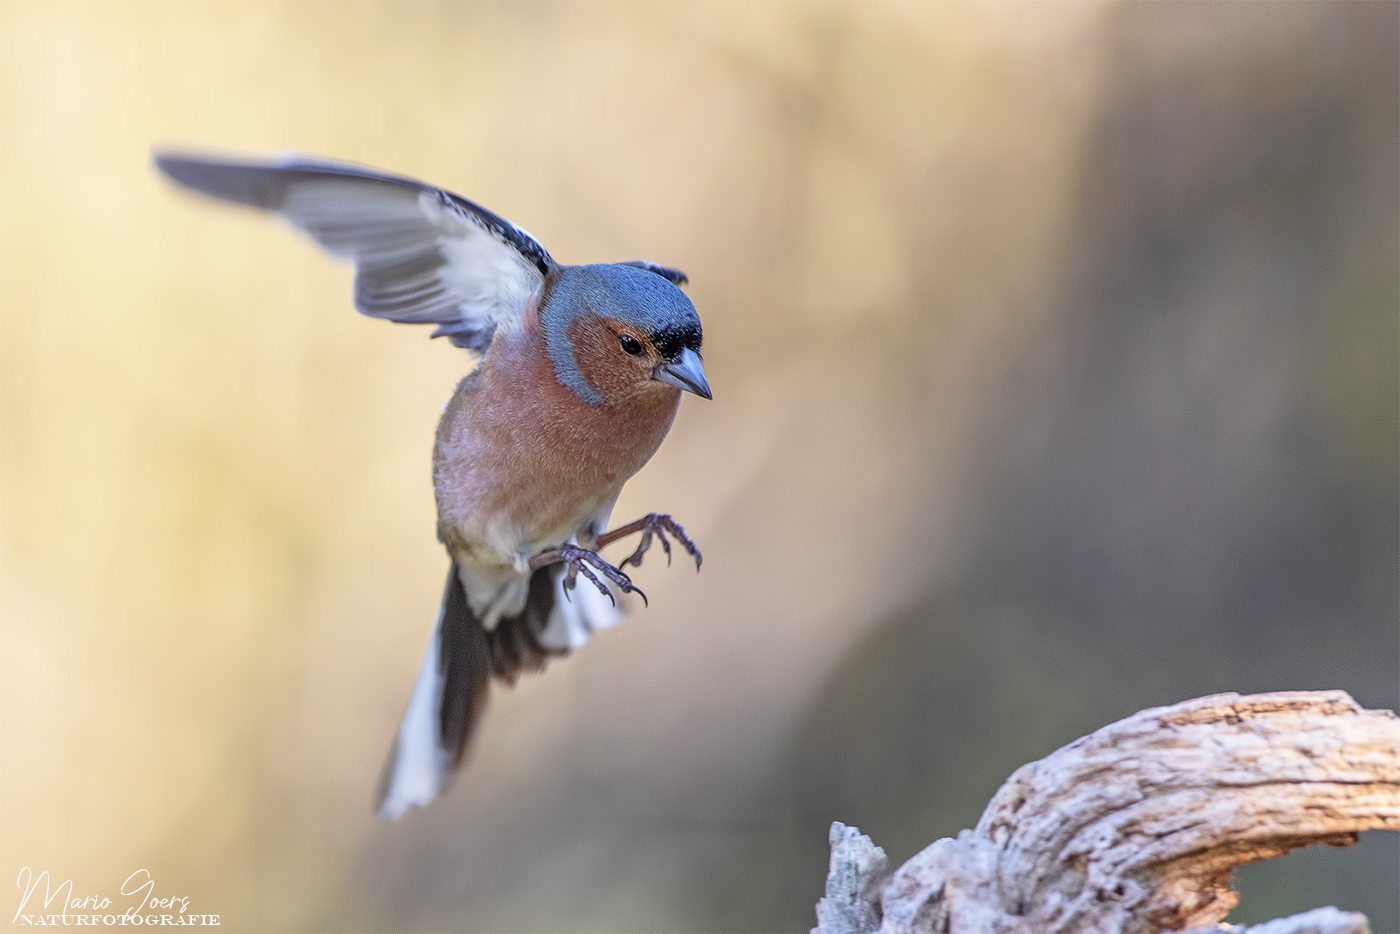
453	684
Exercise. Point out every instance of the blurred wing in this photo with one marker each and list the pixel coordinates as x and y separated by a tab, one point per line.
422	255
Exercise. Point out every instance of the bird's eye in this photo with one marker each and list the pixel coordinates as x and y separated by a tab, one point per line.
630	344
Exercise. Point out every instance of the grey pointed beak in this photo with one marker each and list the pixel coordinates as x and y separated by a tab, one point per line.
685	373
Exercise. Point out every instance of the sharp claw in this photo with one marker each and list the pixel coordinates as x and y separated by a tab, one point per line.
656	524
615	575
577	559
635	558
597	583
570	580
675	529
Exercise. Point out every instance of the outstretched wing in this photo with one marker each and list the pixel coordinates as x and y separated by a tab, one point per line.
422	255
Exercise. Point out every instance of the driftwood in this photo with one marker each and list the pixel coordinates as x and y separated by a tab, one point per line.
1136	828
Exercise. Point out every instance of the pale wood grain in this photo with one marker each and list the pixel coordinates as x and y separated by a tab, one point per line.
1137	827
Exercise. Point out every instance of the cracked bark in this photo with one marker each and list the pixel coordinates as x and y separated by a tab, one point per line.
1137	827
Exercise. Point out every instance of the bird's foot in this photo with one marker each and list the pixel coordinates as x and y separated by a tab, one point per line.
579	561
659	525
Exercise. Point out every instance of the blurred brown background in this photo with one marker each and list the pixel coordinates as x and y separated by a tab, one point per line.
1054	352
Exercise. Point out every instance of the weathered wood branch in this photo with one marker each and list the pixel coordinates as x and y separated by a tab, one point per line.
1136	828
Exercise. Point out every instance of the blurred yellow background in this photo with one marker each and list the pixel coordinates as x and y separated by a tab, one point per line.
1054	357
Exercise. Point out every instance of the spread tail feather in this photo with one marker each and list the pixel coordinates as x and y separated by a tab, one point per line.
454	680
446	705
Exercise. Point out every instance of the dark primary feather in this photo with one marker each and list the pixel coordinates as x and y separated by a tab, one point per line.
666	272
422	254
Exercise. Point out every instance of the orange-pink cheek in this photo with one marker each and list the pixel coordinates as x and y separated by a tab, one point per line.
594	354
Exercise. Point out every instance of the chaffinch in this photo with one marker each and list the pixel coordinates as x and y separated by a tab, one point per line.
580	377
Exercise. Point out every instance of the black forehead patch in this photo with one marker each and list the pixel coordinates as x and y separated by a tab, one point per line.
673	338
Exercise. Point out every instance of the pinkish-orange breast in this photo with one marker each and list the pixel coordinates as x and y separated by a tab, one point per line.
515	446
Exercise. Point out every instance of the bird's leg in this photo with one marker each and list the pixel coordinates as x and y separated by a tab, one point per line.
578	559
658	524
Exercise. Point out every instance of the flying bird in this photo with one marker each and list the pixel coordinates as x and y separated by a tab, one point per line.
580	376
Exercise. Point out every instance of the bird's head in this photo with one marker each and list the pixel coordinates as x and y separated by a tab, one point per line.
614	332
